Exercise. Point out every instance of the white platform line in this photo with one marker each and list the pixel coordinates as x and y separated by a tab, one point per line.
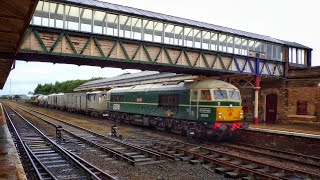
285	132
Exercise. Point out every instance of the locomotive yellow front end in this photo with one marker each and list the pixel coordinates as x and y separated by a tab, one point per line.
231	117
229	114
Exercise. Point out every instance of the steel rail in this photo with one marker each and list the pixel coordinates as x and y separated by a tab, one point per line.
103	175
104	148
155	154
288	170
314	158
66	153
293	171
26	150
219	162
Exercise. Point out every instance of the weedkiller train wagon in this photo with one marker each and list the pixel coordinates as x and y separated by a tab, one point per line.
208	108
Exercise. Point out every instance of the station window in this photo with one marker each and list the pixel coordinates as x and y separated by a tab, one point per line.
251	45
72	17
136	28
263	47
269	51
275	50
86	20
117	98
197	38
244	47
158	29
214	42
222	43
188	37
237	45
41	14
257	46
169	101
205	39
147	30
125	26
178	34
299	60
297	56
168	34
112	24
56	15
229	43
99	25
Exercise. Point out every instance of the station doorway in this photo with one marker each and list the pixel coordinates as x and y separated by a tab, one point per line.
271	108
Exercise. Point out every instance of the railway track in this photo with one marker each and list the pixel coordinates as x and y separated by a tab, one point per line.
221	161
311	161
47	160
132	154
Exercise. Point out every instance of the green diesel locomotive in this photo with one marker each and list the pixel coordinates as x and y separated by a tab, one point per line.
208	107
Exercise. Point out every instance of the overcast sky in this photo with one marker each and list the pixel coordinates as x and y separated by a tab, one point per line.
292	20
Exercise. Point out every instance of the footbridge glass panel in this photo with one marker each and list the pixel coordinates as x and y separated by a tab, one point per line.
99	18
96	21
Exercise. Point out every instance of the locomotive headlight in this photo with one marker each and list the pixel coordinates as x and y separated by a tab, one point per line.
220	115
241	115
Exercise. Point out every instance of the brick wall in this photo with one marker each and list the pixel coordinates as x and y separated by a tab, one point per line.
288	92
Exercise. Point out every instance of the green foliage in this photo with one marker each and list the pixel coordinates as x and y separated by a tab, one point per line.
16	97
3	97
63	87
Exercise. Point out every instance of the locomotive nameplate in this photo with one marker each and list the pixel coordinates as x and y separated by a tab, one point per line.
204	115
116	107
205	110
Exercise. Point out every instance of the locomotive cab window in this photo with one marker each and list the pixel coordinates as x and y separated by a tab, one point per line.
220	94
234	95
194	95
205	95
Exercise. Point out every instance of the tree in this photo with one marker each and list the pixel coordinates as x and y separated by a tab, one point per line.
61	87
17	97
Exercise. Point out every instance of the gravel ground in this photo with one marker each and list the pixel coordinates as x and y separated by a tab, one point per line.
24	130
129	172
169	170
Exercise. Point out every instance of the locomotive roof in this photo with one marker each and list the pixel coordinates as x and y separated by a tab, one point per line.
59	94
42	96
94	92
204	84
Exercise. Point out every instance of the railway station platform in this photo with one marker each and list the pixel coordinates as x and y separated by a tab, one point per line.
302	130
10	165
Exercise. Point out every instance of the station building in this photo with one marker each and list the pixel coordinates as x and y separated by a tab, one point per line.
295	99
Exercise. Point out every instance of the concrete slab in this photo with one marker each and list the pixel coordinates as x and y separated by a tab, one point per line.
10	165
288	129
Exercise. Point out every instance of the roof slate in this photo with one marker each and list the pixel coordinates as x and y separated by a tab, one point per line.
154	15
